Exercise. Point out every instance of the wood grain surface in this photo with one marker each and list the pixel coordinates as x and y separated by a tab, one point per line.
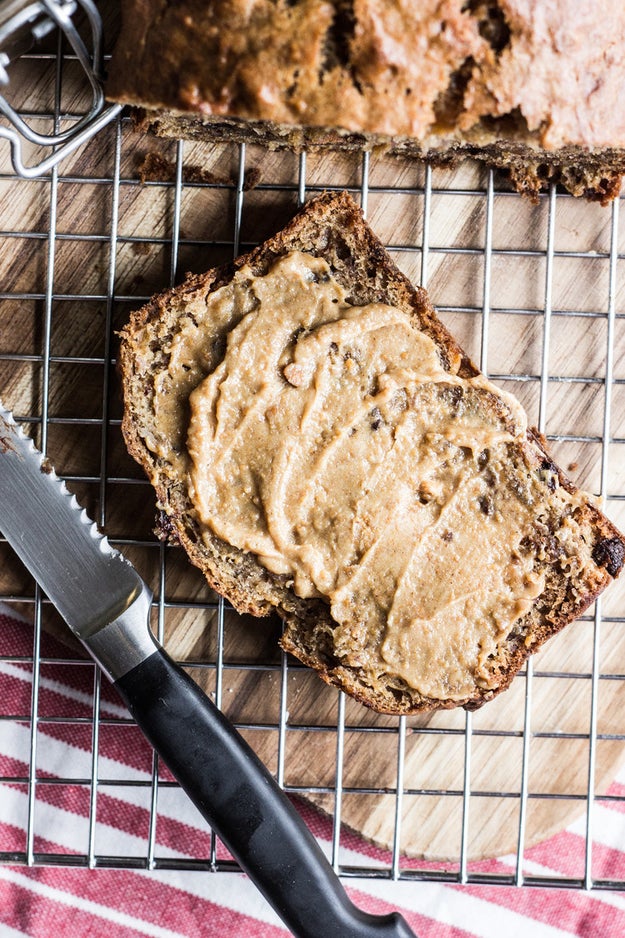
525	288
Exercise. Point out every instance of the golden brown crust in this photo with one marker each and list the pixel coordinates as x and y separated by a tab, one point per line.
535	94
332	226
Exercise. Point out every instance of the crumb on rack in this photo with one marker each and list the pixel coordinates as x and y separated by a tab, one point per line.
154	167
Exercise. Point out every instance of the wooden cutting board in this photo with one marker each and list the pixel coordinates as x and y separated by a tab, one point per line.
64	347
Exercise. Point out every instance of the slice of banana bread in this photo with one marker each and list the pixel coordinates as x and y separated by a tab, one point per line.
533	89
322	448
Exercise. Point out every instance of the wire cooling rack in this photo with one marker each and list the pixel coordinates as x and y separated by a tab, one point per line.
532	290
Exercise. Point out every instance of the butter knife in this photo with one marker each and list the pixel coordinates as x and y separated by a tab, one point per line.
106	605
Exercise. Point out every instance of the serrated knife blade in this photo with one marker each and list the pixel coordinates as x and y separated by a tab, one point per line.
107	605
36	519
97	591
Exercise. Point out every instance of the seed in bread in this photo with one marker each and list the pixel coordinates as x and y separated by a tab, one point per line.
322	448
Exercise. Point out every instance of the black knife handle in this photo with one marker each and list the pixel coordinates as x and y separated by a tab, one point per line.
245	806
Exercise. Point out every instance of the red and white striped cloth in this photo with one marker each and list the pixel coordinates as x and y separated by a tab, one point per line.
45	901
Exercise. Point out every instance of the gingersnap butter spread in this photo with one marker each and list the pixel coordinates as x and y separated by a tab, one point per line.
331	442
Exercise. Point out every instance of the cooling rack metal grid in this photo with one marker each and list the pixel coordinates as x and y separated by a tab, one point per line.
534	293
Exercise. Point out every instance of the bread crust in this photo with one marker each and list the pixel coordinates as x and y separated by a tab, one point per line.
332	226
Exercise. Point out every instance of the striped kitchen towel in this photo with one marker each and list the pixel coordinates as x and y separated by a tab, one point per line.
68	817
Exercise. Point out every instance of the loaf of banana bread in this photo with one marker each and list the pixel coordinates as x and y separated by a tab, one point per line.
533	88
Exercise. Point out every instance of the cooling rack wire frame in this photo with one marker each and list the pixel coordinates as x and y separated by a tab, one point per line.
36	411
